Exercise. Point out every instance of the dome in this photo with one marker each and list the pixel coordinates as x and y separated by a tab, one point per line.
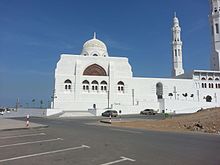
94	47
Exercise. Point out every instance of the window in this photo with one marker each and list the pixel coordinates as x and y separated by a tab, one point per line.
210	79
67	85
95	86
217	28
175	52
159	90
95	54
120	87
178	52
103	86
217	79
211	85
203	78
85	84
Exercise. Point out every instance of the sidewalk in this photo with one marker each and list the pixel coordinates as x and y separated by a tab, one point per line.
12	124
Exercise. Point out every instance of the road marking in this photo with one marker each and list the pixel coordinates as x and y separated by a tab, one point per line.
124	130
26	135
120	160
33	142
44	153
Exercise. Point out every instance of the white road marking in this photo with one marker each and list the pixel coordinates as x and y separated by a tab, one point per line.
120	160
124	130
44	153
26	135
33	142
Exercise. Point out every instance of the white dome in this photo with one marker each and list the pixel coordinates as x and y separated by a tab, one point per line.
94	47
94	43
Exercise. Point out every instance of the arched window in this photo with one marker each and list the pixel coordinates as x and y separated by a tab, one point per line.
85	84
94	70
203	78
217	79
210	79
95	85
120	87
159	90
95	54
103	86
67	84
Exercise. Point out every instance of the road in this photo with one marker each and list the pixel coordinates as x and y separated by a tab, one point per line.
86	142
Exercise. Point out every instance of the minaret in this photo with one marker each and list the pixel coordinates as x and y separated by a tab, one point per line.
177	63
214	18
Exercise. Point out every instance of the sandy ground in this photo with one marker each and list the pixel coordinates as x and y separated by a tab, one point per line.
207	121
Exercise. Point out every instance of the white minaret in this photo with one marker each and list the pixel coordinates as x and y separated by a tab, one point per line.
214	18
177	63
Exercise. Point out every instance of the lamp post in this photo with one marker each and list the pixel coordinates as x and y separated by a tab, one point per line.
53	97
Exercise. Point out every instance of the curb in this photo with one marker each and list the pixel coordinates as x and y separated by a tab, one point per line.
24	128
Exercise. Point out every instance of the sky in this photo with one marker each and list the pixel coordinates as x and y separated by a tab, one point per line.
33	34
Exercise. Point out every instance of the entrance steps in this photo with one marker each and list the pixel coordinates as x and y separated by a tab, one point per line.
76	114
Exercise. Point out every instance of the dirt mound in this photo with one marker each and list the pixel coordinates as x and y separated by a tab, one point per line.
207	120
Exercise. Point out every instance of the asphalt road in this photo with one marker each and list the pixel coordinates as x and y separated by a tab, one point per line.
86	142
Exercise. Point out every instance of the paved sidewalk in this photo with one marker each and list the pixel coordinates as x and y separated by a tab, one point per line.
12	124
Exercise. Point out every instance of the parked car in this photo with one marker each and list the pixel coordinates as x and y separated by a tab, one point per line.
148	112
108	113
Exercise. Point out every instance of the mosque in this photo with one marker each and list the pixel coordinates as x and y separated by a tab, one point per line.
90	83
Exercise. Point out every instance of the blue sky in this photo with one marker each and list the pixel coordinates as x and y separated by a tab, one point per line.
33	34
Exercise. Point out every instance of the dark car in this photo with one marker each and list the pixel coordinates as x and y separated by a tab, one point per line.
108	113
148	112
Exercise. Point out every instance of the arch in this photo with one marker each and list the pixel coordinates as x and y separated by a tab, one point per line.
203	78
103	86
94	82
159	90
104	82
68	85
120	85
95	85
85	85
85	82
210	79
68	81
216	79
94	70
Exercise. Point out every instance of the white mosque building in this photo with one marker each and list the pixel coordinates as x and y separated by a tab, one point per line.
94	81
